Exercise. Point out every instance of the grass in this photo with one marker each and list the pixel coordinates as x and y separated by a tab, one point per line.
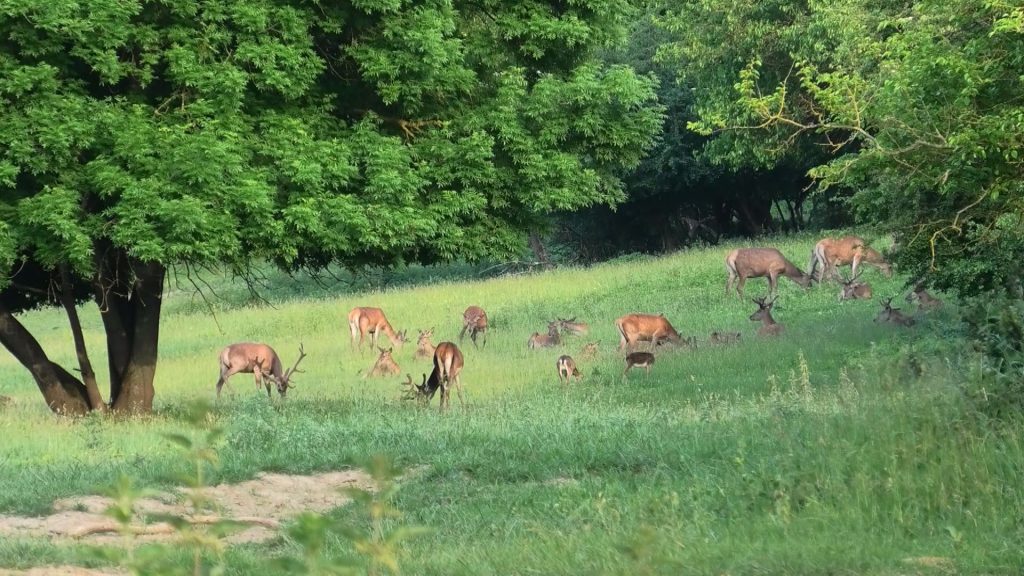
824	451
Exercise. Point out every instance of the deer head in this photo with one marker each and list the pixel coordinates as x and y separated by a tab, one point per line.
285	381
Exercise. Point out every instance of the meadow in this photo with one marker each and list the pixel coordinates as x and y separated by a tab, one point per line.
841	447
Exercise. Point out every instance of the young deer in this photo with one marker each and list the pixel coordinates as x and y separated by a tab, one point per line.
538	340
925	301
893	315
474	319
589	351
642	359
262	361
831	253
385	364
723	338
571	326
447	366
424	348
746	263
635	328
567	369
769	327
364	320
853	289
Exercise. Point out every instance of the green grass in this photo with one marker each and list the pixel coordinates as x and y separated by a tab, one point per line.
818	452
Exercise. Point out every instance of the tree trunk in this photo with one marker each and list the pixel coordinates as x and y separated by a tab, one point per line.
67	298
63	393
539	252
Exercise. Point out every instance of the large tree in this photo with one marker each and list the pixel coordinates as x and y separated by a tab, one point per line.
136	136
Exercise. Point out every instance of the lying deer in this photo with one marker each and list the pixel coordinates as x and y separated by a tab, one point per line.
725	338
474	319
589	351
364	320
424	348
642	359
261	361
893	315
538	340
447	366
746	263
571	326
567	369
925	301
853	289
769	327
635	328
385	364
831	253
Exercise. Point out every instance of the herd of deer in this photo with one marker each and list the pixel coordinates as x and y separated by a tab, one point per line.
827	257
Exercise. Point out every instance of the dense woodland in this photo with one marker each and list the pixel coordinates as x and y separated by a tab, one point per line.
140	139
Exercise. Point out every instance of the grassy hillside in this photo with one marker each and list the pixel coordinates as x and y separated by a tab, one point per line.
837	448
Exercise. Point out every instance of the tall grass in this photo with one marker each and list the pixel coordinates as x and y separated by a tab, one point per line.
824	451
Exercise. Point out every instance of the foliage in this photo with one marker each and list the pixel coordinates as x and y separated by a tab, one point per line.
995	329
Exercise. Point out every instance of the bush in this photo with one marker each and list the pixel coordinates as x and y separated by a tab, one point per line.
994	327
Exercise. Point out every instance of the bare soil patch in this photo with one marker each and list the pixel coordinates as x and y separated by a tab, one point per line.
262	504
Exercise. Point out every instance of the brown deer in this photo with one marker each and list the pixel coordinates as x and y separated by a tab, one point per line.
635	328
261	361
589	351
447	366
831	253
769	327
424	348
474	319
725	338
925	301
853	289
567	369
571	326
744	263
364	320
538	340
642	359
385	365
893	315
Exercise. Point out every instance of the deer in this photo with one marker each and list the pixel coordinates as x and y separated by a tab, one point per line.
538	340
925	301
474	319
769	327
567	369
571	326
642	359
365	320
853	289
635	328
424	348
893	315
744	263
831	253
724	338
589	350
445	375
261	360
385	364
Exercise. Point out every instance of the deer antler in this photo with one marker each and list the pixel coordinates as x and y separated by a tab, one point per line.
295	369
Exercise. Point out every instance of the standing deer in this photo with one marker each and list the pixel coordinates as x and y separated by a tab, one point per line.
769	327
474	319
447	366
571	326
567	369
925	301
424	348
261	361
893	315
744	263
364	320
642	359
385	364
635	328
854	290
831	253
538	340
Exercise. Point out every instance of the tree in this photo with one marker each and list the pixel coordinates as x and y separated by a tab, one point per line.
141	136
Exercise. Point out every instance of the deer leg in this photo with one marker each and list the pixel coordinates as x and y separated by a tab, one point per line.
773	283
853	266
458	390
463	333
728	283
220	383
739	285
485	339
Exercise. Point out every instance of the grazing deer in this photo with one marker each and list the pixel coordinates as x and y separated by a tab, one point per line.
635	328
447	366
474	319
424	348
538	340
571	326
769	327
893	315
925	301
854	290
385	364
567	369
364	320
744	263
261	361
723	338
831	253
589	351
642	359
